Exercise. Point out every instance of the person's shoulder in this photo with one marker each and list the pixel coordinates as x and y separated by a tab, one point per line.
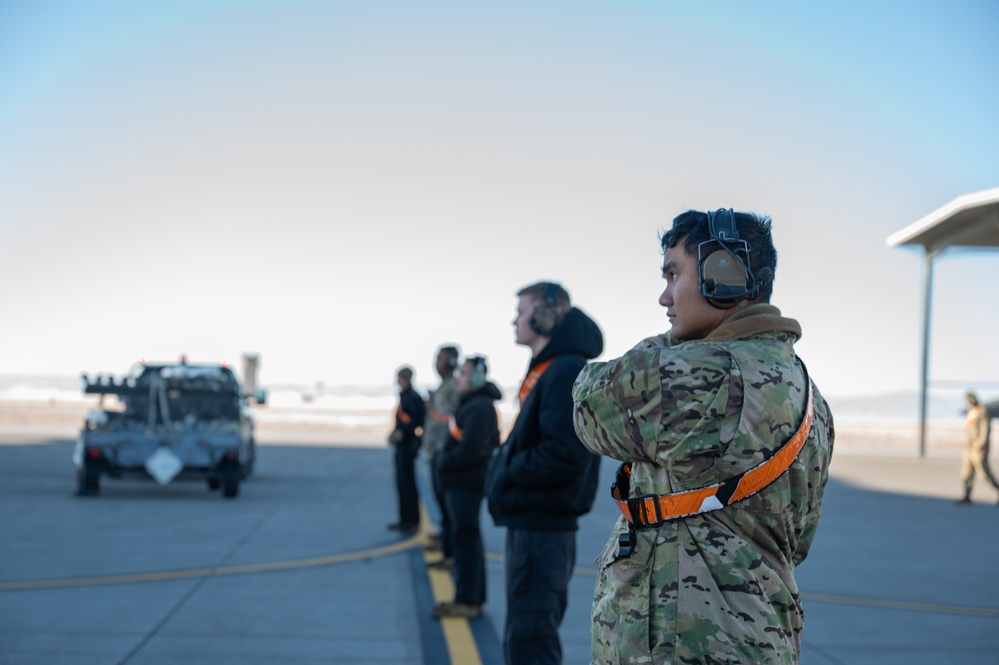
448	388
565	363
709	356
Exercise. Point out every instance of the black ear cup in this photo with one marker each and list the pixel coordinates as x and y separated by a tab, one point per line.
546	312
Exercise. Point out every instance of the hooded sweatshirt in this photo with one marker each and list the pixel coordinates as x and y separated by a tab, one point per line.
542	477
472	437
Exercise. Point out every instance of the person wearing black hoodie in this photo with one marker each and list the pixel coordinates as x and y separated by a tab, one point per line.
542	479
472	437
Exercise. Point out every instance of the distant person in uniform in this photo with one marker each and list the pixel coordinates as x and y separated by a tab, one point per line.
976	449
542	479
405	438
441	405
700	566
461	463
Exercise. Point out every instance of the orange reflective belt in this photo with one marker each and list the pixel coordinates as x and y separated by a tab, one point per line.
438	416
652	510
455	432
532	378
403	417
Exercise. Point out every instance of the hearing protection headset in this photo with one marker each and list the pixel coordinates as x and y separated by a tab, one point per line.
546	313
723	264
478	378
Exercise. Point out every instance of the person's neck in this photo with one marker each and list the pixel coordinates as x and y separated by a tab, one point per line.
538	345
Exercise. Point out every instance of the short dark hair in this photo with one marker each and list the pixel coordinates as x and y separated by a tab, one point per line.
538	290
692	228
405	373
451	352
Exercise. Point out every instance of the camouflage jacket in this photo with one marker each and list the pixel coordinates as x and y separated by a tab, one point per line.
717	587
977	426
440	407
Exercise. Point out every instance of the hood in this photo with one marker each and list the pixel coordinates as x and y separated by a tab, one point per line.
490	390
577	333
753	321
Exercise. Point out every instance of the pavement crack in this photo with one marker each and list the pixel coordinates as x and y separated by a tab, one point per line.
163	622
179	605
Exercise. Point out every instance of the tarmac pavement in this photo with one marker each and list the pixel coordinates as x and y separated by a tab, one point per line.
300	568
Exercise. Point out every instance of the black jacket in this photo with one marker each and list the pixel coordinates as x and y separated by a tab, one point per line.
462	464
409	415
542	477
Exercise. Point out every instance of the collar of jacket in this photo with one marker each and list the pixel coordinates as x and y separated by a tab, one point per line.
752	321
490	390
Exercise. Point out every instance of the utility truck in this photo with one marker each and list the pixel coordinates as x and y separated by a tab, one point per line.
169	421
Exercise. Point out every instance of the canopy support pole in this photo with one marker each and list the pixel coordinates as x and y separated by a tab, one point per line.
928	258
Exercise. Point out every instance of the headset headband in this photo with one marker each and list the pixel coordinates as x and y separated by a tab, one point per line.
551	294
721	225
546	314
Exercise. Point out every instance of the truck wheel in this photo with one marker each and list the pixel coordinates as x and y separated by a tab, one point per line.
88	481
230	480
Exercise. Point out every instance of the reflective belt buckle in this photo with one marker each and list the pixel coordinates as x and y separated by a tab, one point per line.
639	507
622	482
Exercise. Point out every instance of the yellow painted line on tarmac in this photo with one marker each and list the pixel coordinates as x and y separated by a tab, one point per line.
458	638
312	562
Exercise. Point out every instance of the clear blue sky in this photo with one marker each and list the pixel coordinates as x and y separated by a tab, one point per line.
342	186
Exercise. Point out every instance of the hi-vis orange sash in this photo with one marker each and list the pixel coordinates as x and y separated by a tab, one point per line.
651	510
532	378
456	432
458	435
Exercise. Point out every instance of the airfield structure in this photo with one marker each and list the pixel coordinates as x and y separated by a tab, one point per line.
970	221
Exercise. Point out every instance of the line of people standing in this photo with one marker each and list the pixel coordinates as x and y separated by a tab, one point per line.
537	483
725	444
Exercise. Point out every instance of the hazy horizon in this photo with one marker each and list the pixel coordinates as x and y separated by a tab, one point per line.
946	403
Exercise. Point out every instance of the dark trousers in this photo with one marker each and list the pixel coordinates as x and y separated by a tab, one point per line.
538	567
405	483
463	507
435	482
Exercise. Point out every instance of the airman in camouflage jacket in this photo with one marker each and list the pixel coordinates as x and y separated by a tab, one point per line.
717	587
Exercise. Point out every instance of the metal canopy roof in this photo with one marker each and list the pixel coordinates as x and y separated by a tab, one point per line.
971	220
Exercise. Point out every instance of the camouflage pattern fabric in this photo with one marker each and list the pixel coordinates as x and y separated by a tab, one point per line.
445	402
717	587
975	459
